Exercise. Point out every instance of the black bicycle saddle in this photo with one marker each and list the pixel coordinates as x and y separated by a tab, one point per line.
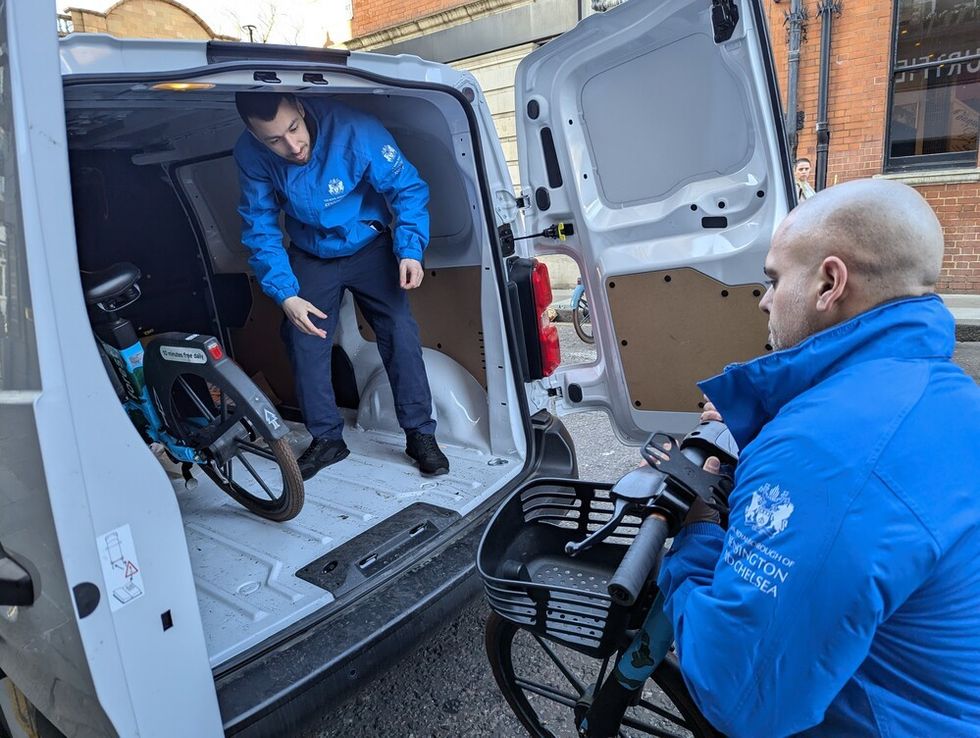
106	285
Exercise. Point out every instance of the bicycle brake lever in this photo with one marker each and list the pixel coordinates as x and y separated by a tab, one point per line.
619	512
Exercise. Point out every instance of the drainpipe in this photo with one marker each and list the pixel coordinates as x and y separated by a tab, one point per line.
827	10
796	20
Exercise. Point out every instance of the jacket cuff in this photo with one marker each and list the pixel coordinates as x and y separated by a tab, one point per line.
700	528
280	296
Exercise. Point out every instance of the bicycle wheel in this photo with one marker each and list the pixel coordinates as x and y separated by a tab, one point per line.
543	682
582	320
259	473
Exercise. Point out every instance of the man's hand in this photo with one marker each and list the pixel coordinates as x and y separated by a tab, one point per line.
709	411
410	273
299	310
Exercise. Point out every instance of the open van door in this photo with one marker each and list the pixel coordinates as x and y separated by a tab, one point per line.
655	131
99	624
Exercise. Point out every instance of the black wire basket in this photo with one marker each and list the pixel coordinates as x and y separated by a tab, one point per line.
530	580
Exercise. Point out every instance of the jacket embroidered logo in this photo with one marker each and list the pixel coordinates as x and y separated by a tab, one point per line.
769	510
335	186
389	153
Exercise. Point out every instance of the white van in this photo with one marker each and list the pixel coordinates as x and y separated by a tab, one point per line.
652	133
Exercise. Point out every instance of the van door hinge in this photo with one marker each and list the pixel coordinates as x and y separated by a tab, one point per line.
506	235
724	18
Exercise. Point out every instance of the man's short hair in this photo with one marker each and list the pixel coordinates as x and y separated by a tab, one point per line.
261	105
795	164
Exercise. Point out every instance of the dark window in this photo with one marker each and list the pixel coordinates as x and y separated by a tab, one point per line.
935	96
18	351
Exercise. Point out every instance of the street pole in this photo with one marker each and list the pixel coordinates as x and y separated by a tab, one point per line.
796	20
250	28
828	9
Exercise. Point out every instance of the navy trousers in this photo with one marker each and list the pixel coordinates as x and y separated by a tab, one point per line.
371	275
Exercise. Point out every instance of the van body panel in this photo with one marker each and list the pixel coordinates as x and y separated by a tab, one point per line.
118	669
658	137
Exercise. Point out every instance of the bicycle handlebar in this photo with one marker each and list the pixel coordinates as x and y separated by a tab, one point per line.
636	566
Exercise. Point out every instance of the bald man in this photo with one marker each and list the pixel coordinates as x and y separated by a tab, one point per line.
844	598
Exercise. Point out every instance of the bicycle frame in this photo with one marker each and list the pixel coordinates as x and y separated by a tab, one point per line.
128	365
577	295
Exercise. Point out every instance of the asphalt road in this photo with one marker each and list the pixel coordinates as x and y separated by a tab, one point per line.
445	688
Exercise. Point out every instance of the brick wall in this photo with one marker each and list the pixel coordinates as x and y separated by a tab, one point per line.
857	112
143	19
375	15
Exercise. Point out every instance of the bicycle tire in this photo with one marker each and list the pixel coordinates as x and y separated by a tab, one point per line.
581	318
198	405
499	638
280	509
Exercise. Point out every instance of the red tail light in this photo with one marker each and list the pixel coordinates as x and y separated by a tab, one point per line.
215	350
547	332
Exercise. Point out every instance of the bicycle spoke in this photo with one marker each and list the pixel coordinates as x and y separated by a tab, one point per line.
676	719
572	679
195	399
548	692
258	479
228	471
254	448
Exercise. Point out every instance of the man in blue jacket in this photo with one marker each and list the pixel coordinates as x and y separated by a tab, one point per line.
844	598
342	182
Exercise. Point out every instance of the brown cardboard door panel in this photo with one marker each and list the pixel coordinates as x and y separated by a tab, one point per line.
260	350
678	326
447	309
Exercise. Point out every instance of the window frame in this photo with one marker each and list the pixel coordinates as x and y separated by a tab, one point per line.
919	162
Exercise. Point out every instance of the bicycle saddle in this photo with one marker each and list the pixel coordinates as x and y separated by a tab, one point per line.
106	285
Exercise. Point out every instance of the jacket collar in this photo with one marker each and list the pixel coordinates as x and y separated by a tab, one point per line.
749	395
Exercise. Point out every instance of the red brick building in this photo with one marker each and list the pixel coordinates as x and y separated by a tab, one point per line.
903	86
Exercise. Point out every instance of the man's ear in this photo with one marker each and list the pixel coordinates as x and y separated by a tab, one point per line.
832	284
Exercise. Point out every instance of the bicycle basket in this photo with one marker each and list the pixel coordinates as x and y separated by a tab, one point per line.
530	580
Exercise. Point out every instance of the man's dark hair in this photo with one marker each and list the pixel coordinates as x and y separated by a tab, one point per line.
795	164
261	105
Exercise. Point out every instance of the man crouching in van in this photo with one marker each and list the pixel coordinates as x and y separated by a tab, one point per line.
357	220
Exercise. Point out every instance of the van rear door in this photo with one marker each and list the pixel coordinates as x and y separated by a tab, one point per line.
108	639
655	131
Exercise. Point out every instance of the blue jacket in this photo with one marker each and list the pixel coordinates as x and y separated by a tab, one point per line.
356	176
844	599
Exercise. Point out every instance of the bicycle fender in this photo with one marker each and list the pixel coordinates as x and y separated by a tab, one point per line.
171	355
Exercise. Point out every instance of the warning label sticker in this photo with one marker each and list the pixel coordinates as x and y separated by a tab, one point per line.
121	570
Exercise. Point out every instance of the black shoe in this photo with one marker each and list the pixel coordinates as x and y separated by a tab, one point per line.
320	453
423	448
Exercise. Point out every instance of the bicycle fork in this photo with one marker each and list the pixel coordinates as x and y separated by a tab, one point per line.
635	666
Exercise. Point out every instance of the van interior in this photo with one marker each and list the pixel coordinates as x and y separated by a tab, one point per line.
154	183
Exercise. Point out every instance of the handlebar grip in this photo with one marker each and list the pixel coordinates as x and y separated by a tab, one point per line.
633	572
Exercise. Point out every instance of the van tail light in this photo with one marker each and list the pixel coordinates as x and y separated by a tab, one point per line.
547	332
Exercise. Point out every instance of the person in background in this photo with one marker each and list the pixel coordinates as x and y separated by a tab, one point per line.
802	173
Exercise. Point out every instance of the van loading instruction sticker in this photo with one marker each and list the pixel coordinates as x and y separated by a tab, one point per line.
123	578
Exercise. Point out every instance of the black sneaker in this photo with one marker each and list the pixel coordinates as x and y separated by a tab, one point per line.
320	453
423	448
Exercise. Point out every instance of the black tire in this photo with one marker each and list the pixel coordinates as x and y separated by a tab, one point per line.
540	690
261	473
582	320
280	507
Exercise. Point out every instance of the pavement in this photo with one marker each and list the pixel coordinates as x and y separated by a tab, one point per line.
965	310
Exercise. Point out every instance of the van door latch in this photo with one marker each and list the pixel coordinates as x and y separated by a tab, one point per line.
724	18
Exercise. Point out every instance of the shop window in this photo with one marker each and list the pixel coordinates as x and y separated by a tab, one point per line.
935	85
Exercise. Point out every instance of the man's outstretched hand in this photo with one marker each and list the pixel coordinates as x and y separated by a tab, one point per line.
410	273
299	310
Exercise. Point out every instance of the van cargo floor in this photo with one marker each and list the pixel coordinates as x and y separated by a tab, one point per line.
248	570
